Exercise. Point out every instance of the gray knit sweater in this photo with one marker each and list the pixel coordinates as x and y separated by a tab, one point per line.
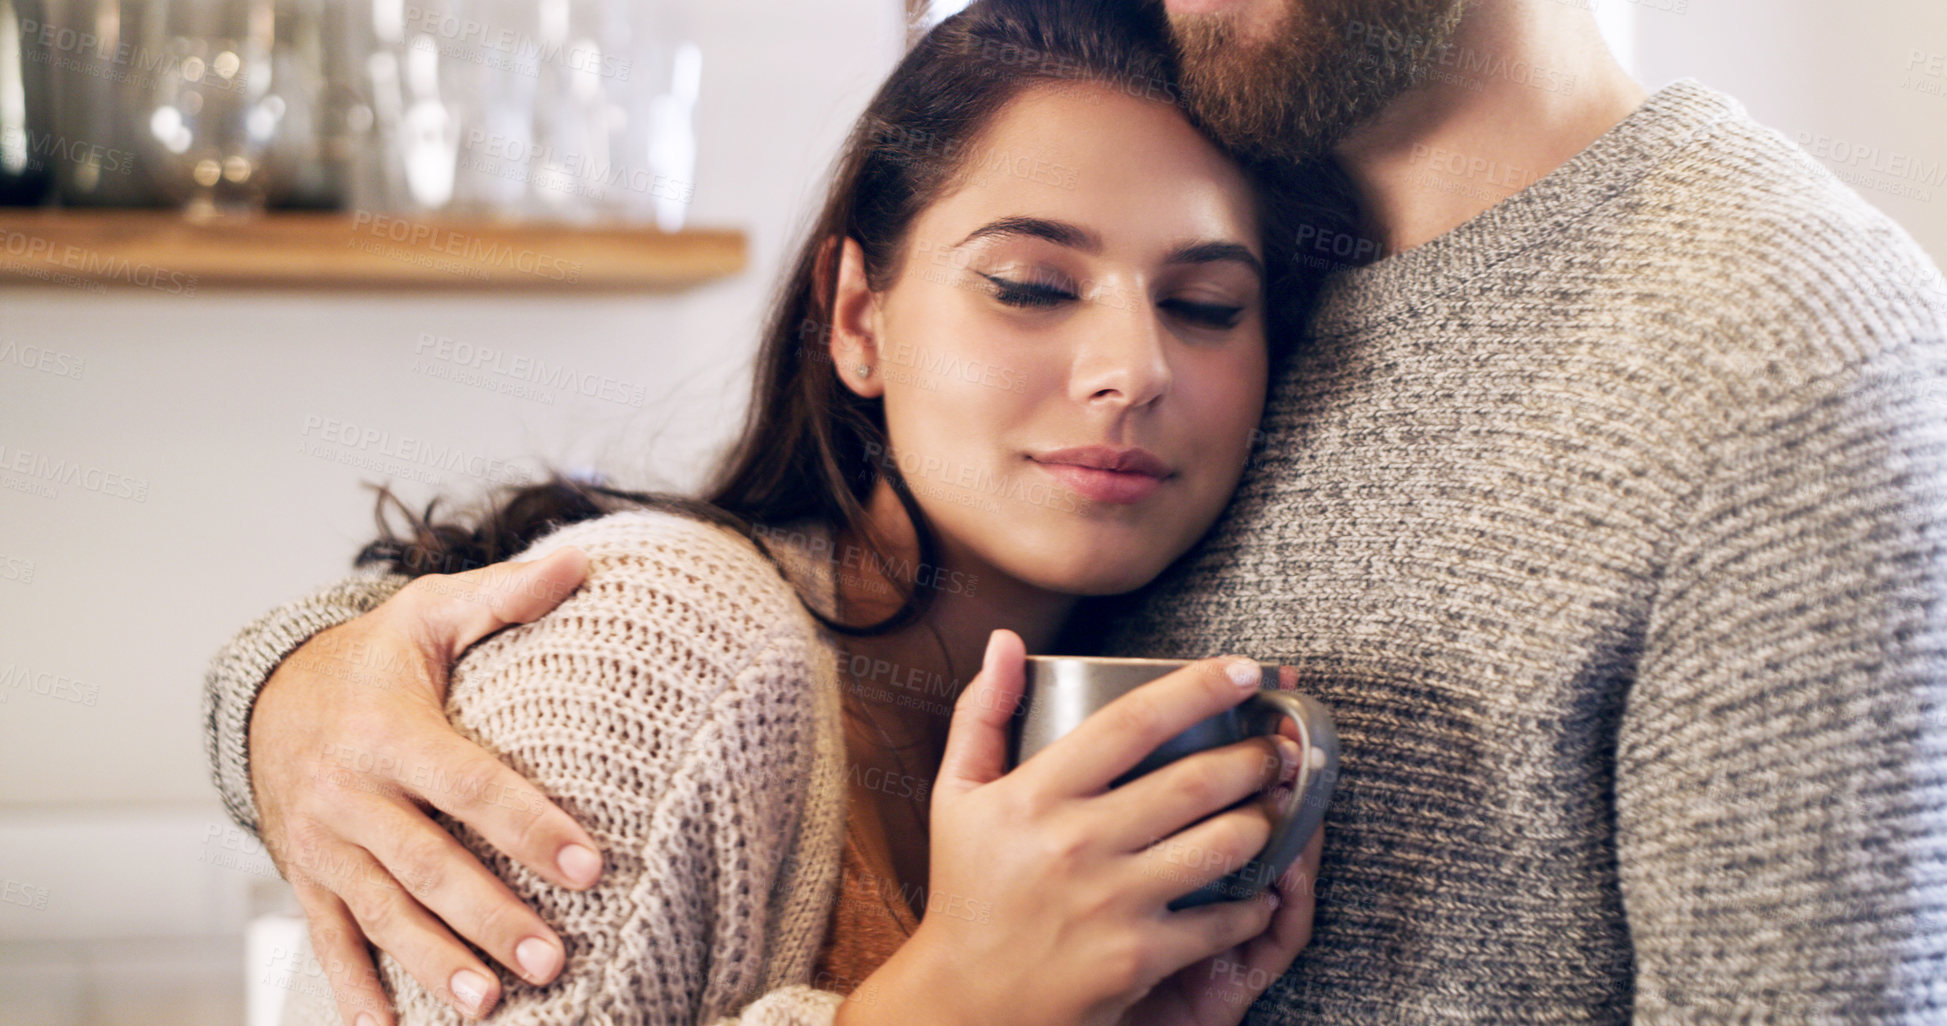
1612	525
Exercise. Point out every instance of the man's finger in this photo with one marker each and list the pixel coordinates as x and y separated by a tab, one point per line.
466	782
347	963
453	611
450	883
401	927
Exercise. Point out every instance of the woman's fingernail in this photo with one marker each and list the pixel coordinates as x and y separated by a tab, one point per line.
1275	900
538	959
1245	673
470	989
365	1019
580	865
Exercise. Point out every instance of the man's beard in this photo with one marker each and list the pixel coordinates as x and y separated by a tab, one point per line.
1328	67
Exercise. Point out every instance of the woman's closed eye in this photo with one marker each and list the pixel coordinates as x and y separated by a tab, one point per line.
1033	294
1204	314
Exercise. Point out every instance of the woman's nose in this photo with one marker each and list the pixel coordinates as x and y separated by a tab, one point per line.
1124	360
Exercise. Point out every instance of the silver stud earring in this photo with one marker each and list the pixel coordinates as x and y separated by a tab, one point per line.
865	370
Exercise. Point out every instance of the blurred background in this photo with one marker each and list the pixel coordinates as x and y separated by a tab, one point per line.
557	226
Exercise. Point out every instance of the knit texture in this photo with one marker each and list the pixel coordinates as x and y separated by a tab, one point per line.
682	706
1610	526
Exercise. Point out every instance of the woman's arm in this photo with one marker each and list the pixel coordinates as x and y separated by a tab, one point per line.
678	705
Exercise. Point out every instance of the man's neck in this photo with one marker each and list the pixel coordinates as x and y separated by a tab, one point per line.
1526	86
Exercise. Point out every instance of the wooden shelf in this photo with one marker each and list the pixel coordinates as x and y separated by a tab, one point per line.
162	250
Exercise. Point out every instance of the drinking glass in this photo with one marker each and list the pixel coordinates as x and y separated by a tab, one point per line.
208	123
95	70
418	64
24	105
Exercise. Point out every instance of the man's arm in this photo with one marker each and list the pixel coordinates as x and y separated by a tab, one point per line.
711	773
327	733
241	667
1781	770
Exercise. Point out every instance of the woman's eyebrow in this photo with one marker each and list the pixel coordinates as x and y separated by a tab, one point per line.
1061	233
1214	252
1074	236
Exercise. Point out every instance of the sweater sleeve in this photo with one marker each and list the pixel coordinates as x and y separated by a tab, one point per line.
239	669
677	706
1781	766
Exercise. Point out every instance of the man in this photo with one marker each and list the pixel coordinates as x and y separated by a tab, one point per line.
1605	511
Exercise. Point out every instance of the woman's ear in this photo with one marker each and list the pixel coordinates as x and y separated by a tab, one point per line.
856	326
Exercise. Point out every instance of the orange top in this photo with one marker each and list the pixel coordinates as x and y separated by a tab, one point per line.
871	917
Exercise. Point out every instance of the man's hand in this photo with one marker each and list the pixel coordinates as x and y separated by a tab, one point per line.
349	743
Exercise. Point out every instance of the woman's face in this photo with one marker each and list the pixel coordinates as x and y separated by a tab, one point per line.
1072	356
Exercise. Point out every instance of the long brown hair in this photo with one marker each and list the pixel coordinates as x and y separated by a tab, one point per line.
808	445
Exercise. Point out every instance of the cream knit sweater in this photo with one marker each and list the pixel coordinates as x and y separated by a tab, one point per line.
682	706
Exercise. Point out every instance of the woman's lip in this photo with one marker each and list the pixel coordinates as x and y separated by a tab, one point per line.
1117	486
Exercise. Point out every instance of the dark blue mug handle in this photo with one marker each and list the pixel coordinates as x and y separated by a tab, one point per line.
1318	774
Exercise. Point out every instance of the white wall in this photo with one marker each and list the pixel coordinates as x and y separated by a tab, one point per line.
107	819
1863	86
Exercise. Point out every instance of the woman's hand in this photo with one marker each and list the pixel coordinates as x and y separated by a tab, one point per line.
349	743
1048	892
1218	991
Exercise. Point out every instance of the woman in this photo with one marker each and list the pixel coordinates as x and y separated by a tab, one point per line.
1017	365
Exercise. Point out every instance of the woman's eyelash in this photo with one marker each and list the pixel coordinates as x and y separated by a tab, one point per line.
1027	293
1040	295
1213	315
